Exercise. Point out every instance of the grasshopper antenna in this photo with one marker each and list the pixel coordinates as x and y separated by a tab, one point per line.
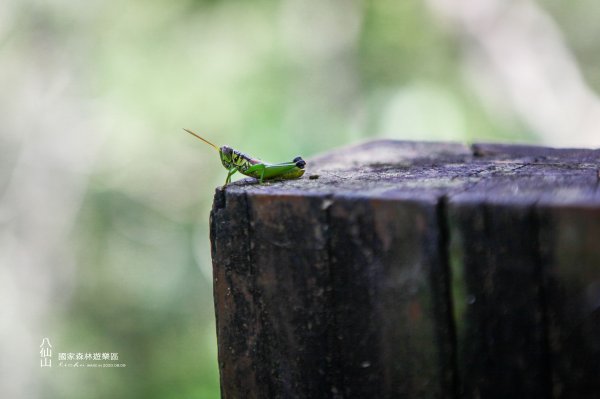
206	141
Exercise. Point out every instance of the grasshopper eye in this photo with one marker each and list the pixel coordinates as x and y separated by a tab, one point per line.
226	150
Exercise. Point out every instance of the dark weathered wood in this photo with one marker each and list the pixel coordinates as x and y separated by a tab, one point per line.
410	269
235	307
392	336
570	247
292	288
497	297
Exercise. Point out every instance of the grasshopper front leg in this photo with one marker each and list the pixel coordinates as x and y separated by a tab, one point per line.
229	174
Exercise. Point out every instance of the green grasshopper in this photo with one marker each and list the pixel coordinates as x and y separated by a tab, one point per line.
236	161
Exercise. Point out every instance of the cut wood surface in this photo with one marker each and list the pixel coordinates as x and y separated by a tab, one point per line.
412	269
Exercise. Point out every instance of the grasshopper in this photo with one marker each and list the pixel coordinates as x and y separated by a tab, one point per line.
236	161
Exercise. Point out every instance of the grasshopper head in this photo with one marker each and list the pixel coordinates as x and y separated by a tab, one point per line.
226	156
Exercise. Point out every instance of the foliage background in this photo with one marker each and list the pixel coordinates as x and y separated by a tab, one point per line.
105	201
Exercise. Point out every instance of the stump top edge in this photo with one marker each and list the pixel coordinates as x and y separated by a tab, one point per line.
404	170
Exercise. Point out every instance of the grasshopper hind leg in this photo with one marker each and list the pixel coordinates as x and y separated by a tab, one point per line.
301	163
259	167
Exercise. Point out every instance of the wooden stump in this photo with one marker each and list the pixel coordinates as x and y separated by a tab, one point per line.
410	269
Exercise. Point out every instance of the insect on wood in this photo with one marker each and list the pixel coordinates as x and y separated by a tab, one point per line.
236	161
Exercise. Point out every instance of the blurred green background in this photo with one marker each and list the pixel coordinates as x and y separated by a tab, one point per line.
105	200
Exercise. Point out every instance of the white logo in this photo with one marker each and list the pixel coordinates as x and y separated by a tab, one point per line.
46	353
78	359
